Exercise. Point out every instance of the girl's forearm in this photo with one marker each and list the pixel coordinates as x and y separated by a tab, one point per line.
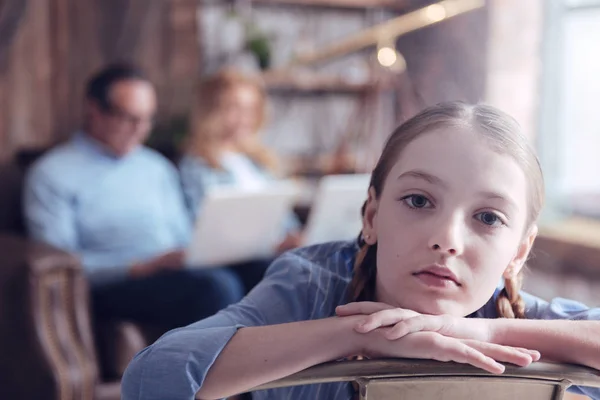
258	355
576	342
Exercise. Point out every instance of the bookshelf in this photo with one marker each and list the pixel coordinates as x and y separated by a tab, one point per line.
396	5
313	83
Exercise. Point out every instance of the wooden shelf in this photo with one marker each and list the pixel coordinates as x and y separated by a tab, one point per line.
398	5
276	82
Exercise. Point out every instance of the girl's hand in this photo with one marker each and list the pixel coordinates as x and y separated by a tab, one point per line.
368	308
402	322
434	346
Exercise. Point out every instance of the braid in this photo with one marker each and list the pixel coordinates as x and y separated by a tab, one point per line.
509	303
362	286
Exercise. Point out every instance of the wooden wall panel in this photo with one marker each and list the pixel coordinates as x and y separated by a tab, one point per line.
48	51
12	15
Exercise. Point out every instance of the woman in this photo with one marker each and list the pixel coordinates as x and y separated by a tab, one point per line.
224	149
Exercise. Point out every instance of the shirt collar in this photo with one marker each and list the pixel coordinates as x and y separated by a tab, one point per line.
93	146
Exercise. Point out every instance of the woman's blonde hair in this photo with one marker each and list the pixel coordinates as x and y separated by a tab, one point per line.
504	136
204	139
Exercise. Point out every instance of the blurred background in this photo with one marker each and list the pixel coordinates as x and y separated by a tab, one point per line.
339	75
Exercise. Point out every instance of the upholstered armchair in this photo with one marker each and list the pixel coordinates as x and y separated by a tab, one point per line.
49	346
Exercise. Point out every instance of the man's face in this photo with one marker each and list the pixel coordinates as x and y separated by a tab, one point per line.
127	122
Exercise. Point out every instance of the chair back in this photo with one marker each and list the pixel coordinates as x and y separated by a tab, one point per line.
428	380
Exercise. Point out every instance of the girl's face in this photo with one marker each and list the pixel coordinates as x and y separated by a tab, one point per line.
240	113
449	223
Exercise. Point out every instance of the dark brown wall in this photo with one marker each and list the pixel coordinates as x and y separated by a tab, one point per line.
49	47
447	61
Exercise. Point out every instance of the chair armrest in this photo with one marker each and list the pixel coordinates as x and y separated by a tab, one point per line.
118	342
44	323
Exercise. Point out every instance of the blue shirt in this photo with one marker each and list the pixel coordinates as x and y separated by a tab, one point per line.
305	284
111	211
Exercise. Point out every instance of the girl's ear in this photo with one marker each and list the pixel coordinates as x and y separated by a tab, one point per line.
369	230
517	263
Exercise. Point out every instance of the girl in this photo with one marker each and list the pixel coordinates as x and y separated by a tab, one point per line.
451	209
224	146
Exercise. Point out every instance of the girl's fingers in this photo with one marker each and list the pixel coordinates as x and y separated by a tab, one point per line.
362	307
450	349
507	354
382	318
415	324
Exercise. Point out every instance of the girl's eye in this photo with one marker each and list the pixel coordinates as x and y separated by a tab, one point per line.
417	201
489	218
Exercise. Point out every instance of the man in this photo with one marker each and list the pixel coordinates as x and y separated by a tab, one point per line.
118	205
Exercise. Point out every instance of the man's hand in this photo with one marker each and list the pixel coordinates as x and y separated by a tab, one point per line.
172	260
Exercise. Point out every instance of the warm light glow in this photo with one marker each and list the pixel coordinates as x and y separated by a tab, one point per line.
387	56
400	64
435	12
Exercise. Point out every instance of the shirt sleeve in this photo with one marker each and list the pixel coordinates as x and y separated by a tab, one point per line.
560	308
176	365
49	212
175	204
50	218
195	182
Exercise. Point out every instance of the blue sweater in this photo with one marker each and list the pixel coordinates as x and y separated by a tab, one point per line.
305	284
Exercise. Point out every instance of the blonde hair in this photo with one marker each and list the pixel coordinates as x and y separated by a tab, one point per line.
206	126
504	136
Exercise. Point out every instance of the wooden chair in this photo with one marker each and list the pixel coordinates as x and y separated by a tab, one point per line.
423	380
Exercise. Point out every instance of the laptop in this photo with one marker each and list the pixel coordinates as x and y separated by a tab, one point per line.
335	214
236	225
